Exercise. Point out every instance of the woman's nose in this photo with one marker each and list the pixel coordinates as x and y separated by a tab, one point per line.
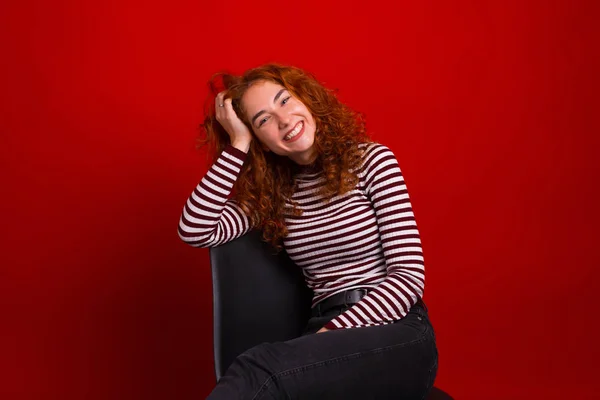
284	120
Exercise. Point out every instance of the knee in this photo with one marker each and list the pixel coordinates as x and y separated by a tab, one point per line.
259	368
262	356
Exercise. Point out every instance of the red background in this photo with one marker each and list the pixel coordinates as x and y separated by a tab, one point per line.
490	107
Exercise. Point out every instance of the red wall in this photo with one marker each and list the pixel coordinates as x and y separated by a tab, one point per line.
492	110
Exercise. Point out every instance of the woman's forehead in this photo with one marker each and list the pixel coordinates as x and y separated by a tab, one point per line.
260	94
263	88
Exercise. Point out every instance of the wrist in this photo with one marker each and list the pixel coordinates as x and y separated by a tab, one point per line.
242	146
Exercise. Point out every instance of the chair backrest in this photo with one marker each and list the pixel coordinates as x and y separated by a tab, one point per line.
258	297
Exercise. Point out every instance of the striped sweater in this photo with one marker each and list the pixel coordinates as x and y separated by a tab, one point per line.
365	238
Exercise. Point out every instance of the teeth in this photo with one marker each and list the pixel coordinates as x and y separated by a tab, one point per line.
294	132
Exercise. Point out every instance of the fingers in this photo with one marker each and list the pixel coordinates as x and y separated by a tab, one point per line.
219	104
226	116
223	107
228	107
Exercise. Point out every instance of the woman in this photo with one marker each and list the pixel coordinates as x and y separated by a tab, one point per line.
294	162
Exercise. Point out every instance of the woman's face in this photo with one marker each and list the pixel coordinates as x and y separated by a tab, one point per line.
281	122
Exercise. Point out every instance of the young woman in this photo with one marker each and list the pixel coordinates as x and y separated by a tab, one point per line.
294	162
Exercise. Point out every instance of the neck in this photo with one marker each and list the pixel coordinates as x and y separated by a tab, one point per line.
305	158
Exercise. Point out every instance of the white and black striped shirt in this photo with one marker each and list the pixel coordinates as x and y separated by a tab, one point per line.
365	238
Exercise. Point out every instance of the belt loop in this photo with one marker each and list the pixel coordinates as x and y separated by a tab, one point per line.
363	292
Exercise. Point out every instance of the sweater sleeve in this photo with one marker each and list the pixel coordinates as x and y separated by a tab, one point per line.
404	284
209	217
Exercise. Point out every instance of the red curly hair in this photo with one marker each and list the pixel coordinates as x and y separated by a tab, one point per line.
266	179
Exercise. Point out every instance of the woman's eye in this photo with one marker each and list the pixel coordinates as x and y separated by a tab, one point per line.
283	102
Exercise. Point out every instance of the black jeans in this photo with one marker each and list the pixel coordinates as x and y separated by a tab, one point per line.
393	361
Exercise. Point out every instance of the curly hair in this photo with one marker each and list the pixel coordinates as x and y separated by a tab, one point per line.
267	180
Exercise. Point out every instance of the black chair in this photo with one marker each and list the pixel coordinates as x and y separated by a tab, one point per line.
258	296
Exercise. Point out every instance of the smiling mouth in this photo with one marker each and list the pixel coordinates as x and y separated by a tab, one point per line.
294	132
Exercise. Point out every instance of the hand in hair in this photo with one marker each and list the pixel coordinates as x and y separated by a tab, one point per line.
238	132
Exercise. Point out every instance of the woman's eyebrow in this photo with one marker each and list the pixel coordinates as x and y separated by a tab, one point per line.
277	96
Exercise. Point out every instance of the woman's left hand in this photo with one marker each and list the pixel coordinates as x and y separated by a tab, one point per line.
322	330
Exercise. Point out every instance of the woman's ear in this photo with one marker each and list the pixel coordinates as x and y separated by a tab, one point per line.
265	148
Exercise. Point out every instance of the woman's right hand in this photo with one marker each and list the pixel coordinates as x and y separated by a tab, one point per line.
238	132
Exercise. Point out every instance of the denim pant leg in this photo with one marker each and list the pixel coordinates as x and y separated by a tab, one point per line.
393	361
